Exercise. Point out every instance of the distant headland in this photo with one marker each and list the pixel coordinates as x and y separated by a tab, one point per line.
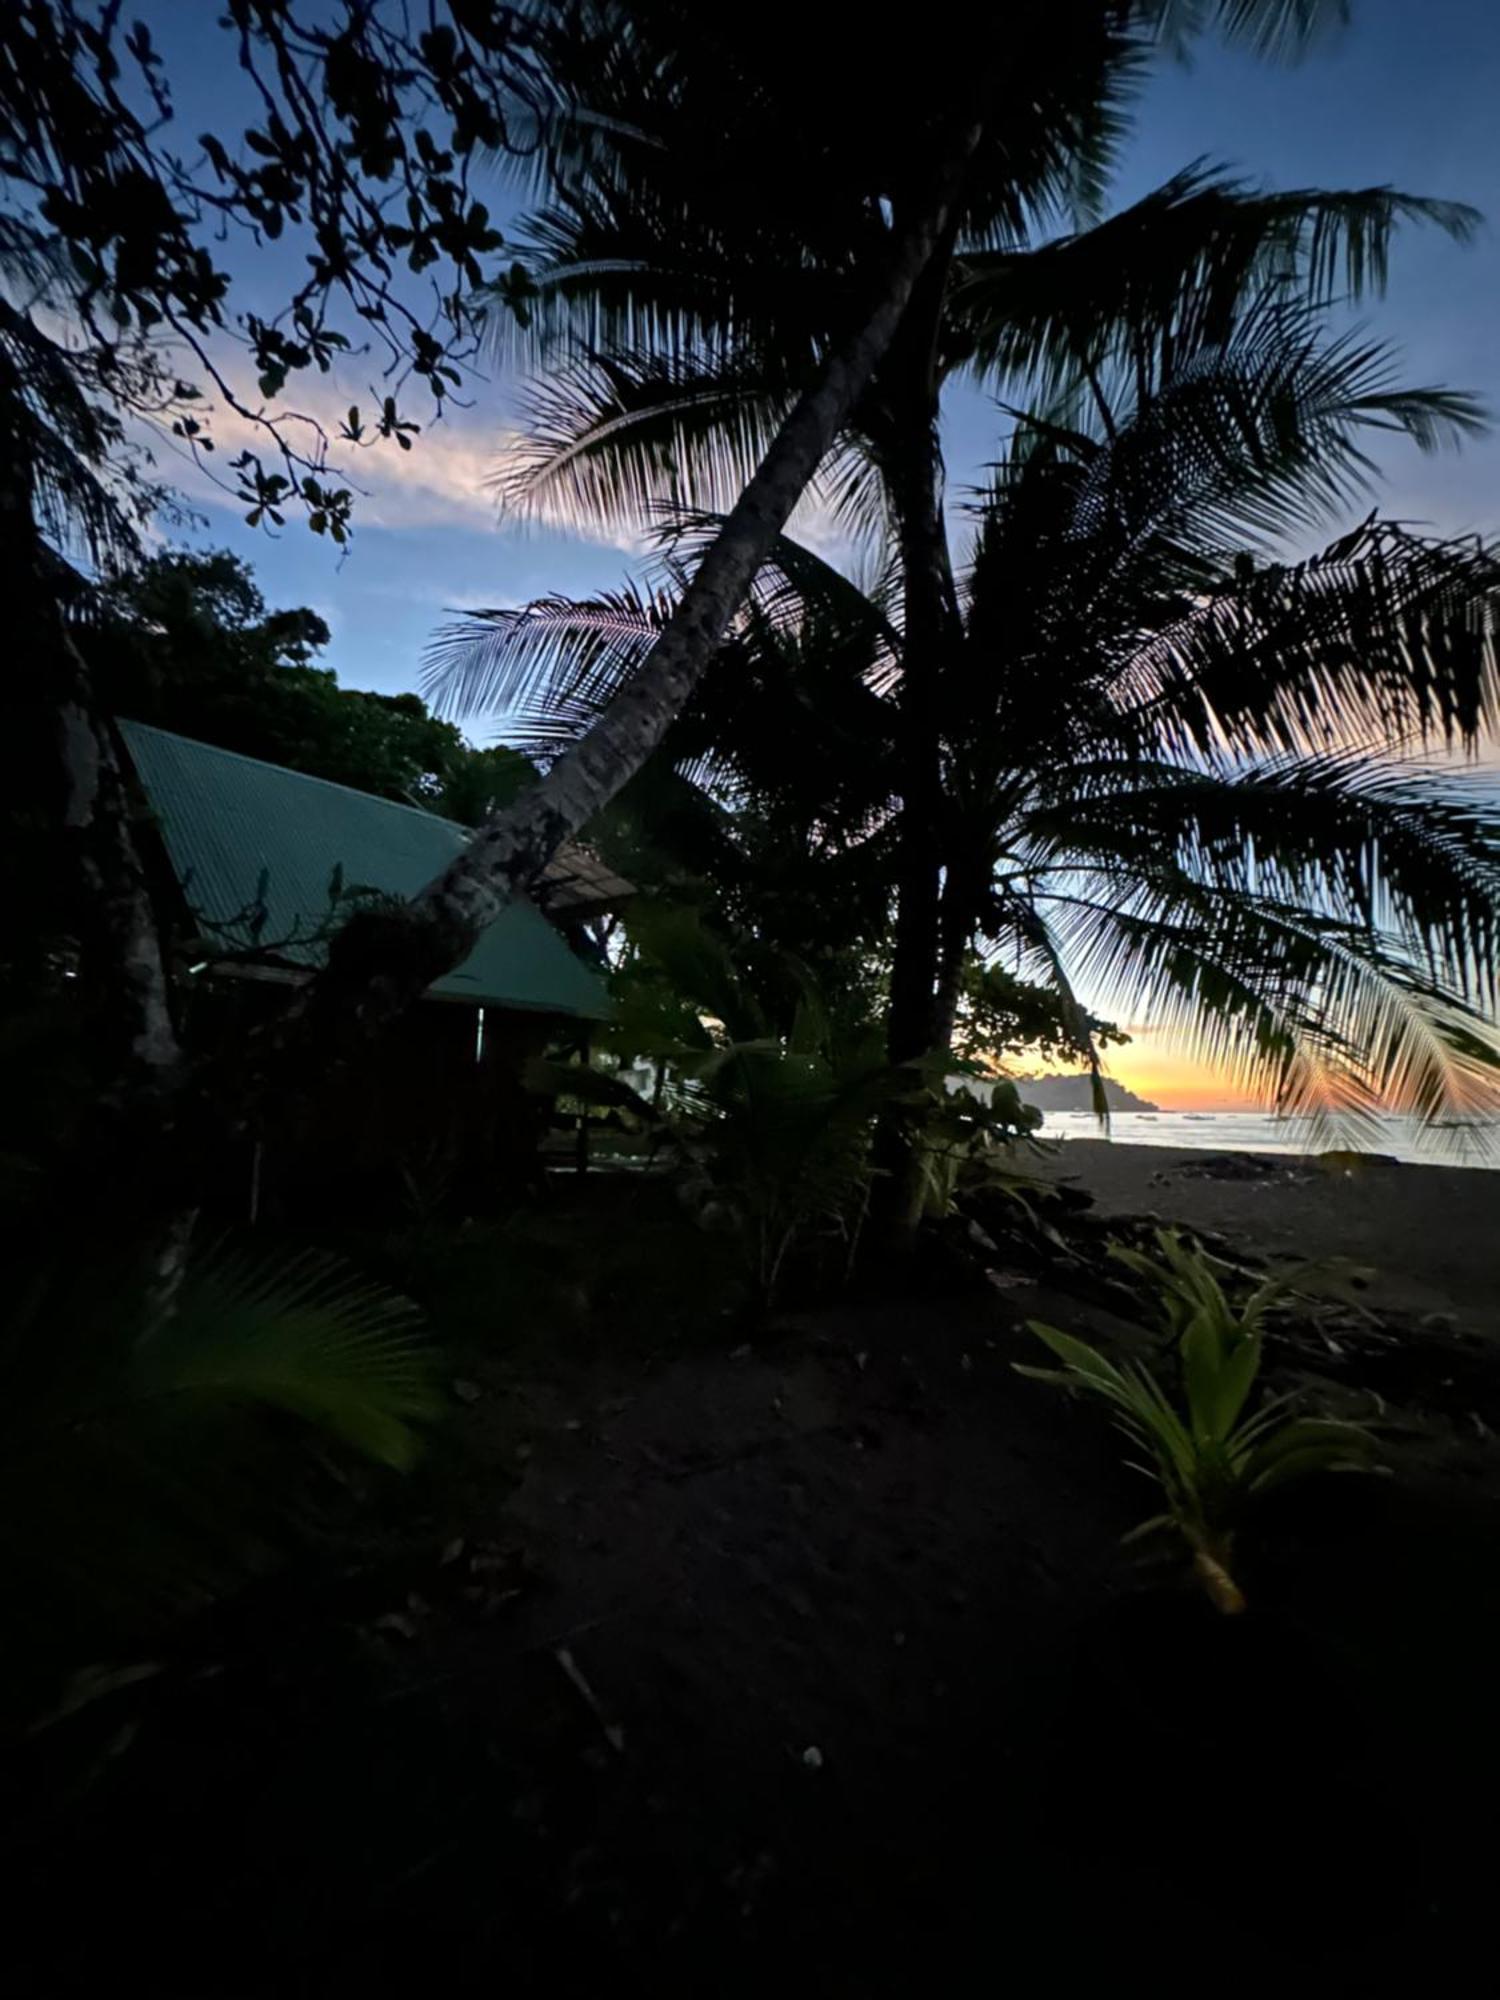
1075	1093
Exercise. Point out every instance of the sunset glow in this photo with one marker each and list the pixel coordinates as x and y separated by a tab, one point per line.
1155	1067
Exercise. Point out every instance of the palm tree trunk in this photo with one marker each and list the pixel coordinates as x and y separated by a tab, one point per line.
955	932
123	956
931	628
930	621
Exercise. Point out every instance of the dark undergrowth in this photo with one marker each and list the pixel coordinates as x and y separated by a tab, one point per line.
688	1662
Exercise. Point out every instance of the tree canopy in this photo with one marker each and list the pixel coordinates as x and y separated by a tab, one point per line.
367	132
186	641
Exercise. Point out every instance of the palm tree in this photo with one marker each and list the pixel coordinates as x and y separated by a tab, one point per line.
1193	783
669	340
1159	750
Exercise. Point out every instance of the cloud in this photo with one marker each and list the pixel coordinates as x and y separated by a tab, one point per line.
446	479
443	481
816	524
449	478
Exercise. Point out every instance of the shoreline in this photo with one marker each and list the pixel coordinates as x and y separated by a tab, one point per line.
1475	1147
1428	1235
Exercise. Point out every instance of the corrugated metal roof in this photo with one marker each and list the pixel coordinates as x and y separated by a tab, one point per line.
238	831
577	880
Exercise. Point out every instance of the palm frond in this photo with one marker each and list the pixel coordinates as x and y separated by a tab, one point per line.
1408	858
300	1334
644	268
1124	303
611	438
144	1469
1317	1015
797	585
83	496
1213	1459
1265	434
1274	28
1219	998
809	646
1095	552
1386	638
543	670
1026	922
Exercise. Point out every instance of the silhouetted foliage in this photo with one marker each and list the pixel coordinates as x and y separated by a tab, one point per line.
367	130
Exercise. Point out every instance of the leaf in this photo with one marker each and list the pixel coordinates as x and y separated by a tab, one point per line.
1083	1359
92	1684
301	1334
1153	1526
148	1470
1304	1446
1219	1366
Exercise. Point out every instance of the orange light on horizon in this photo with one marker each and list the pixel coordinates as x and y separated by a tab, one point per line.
1174	1079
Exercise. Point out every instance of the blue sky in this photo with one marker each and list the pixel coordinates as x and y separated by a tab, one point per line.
1407	94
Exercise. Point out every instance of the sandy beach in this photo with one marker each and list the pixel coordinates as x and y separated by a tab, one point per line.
1429	1235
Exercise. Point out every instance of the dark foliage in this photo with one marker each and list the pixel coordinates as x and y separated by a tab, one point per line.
369	130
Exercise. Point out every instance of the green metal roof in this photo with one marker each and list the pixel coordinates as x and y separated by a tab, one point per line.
232	824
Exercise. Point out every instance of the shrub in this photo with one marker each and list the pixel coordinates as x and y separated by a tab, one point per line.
1209	1457
151	1462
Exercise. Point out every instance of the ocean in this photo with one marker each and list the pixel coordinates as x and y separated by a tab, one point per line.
1261	1132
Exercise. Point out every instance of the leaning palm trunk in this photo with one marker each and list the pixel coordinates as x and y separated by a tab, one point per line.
381	962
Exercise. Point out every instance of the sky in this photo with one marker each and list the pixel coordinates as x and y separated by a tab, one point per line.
1406	95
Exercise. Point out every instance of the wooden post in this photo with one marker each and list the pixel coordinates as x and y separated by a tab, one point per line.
581	1138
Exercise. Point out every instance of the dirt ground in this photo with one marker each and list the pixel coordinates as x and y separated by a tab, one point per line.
811	1658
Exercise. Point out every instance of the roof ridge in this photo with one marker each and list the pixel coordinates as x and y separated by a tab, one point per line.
290	771
242	832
